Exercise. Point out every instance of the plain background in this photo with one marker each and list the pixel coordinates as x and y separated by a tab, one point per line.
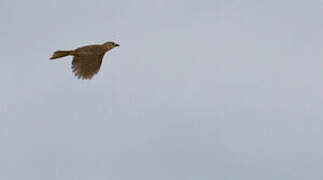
198	90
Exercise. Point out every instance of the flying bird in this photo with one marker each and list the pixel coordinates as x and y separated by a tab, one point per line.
87	59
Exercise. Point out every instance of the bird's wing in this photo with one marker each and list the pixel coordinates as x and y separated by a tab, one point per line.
85	66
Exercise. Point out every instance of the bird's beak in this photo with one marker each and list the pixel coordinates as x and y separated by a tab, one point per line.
117	45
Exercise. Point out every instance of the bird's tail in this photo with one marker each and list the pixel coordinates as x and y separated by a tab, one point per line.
59	54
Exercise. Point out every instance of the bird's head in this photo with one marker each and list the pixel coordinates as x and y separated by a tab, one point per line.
109	45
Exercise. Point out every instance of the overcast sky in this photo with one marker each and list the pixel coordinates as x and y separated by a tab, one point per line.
198	90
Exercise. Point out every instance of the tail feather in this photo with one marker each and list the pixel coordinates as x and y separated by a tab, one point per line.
59	54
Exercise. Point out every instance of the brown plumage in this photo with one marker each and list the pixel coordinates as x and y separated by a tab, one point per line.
87	59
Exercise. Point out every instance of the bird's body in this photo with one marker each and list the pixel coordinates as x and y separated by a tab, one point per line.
87	59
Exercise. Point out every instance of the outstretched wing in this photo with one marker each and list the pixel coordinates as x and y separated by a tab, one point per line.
85	66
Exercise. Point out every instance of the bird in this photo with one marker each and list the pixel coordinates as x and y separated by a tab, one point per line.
87	59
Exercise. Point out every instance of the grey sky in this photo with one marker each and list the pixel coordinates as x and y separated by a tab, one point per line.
198	90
